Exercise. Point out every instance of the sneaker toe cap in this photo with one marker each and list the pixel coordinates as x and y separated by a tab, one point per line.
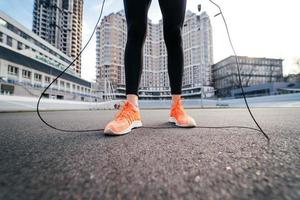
116	126
108	128
186	121
192	122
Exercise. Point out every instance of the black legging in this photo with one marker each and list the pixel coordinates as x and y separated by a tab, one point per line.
173	12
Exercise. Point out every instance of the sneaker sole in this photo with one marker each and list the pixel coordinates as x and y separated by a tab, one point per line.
134	124
173	120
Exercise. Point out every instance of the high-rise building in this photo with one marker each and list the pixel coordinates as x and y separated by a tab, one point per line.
198	55
198	49
110	45
60	23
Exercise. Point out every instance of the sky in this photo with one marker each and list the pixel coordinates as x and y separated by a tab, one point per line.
259	28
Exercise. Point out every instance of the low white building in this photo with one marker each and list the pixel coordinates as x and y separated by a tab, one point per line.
28	64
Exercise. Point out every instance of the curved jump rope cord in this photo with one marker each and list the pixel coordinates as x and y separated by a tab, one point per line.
154	127
238	68
43	93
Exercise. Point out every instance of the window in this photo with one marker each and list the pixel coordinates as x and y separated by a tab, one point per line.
9	41
26	74
13	28
38	77
1	37
20	45
13	70
47	79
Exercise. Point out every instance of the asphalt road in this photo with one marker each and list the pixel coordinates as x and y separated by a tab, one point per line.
39	163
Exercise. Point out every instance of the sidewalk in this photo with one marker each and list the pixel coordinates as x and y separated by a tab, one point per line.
15	103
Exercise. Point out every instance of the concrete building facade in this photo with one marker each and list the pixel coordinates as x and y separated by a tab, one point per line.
60	23
253	71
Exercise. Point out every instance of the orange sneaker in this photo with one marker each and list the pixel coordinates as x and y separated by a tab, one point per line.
126	119
179	116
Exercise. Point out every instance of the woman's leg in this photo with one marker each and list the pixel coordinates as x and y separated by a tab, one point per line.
173	12
129	116
136	12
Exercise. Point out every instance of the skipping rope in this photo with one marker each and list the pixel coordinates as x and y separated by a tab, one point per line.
259	129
